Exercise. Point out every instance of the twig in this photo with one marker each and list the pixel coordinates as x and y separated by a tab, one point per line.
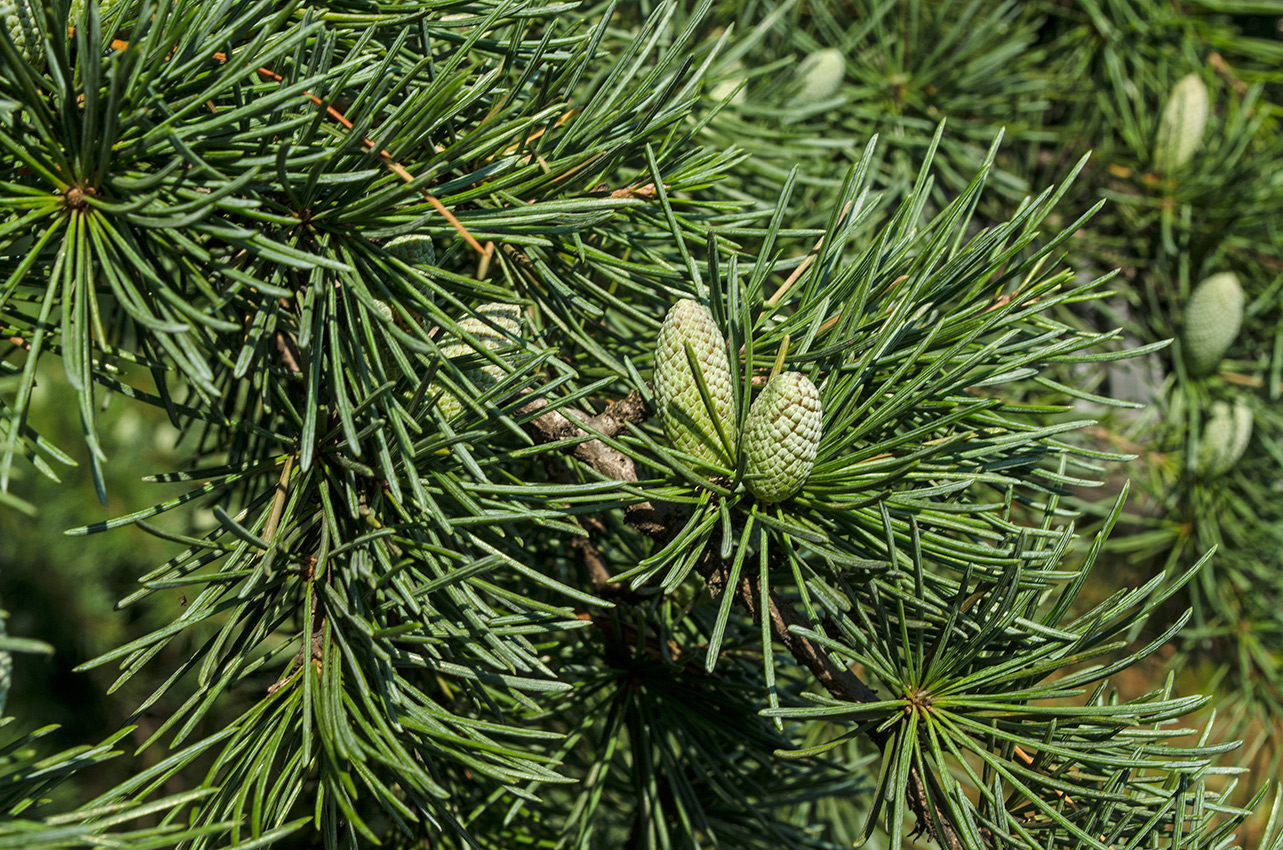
594	563
554	426
278	500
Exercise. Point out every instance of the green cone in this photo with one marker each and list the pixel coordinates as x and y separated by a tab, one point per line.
1180	131
1225	438
1212	319
781	437
820	75
727	88
506	316
682	411
383	309
415	249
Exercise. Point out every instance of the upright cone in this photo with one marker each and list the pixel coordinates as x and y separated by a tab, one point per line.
685	417
781	437
820	75
1225	438
6	669
1213	316
1180	130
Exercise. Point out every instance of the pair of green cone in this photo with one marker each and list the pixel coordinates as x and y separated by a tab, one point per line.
782	432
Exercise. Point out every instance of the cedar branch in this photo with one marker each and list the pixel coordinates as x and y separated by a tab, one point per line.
661	521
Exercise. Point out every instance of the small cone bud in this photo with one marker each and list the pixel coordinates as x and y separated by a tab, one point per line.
729	88
820	75
781	437
1180	130
682	411
1212	319
1225	438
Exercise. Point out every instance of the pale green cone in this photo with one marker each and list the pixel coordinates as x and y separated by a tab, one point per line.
781	437
77	8
1212	320
1225	438
506	316
20	20
415	249
820	75
681	407
1180	130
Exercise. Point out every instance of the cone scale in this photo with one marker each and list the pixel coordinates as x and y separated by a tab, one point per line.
415	249
20	21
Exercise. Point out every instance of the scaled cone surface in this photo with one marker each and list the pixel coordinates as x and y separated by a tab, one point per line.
782	436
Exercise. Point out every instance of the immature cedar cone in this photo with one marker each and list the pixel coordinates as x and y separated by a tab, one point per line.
820	75
1212	319
77	10
1225	438
486	375
1180	131
681	407
415	249
24	31
781	437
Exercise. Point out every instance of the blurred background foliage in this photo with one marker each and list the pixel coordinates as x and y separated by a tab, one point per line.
1054	80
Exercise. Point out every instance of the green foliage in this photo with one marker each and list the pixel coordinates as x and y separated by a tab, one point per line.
435	565
973	65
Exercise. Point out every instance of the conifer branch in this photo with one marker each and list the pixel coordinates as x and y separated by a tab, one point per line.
662	521
388	160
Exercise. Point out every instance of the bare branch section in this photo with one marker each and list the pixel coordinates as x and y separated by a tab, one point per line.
661	521
654	520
